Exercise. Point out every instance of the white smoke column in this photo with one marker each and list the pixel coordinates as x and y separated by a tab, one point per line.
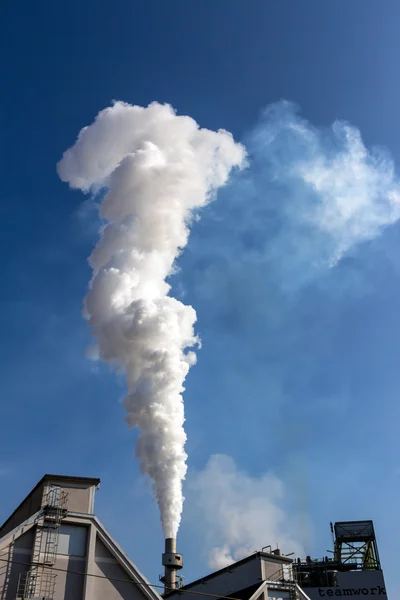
157	168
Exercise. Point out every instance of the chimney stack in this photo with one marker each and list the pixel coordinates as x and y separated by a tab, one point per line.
172	562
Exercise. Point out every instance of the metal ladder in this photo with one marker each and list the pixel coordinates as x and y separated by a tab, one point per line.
284	578
39	581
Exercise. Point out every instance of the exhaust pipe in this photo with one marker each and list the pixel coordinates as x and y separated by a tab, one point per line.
172	562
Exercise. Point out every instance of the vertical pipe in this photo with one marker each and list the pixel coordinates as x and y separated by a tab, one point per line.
170	572
170	546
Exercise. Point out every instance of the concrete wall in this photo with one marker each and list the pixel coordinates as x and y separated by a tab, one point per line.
70	579
89	564
69	569
80	496
81	553
13	563
72	539
80	500
230	580
274	569
114	586
71	561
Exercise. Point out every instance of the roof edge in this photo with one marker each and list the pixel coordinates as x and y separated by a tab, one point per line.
20	529
92	480
256	555
120	555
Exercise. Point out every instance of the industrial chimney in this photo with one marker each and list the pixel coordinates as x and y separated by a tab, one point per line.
172	562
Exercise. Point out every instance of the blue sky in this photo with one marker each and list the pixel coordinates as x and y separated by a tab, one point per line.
298	374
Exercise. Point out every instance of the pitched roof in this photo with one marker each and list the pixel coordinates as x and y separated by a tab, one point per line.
121	557
255	556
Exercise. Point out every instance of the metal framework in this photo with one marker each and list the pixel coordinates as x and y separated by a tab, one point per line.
291	588
39	581
355	544
355	549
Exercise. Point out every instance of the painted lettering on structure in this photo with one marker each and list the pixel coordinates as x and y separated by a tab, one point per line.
329	592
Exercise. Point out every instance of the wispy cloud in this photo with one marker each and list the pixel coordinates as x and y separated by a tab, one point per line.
278	257
278	268
239	513
309	195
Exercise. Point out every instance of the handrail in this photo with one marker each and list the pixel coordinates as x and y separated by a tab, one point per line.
302	594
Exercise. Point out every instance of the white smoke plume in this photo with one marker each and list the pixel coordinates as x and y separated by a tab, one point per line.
240	513
156	169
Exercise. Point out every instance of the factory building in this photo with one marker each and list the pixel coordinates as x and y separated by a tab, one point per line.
260	576
352	570
53	547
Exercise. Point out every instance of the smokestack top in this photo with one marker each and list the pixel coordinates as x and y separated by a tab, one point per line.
171	559
172	562
170	545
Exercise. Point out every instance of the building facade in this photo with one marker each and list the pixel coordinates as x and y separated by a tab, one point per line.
260	576
53	547
352	569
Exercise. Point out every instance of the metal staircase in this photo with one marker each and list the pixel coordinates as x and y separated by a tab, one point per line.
38	583
283	580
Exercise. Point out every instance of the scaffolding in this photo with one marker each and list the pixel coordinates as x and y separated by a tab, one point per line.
355	544
279	587
355	549
38	583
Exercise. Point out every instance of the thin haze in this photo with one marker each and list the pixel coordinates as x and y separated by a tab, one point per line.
157	168
282	252
239	513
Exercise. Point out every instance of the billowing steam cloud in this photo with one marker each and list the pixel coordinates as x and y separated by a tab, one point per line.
267	283
238	513
156	168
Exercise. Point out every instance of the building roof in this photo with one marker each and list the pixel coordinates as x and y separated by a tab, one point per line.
69	479
22	528
254	556
55	479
